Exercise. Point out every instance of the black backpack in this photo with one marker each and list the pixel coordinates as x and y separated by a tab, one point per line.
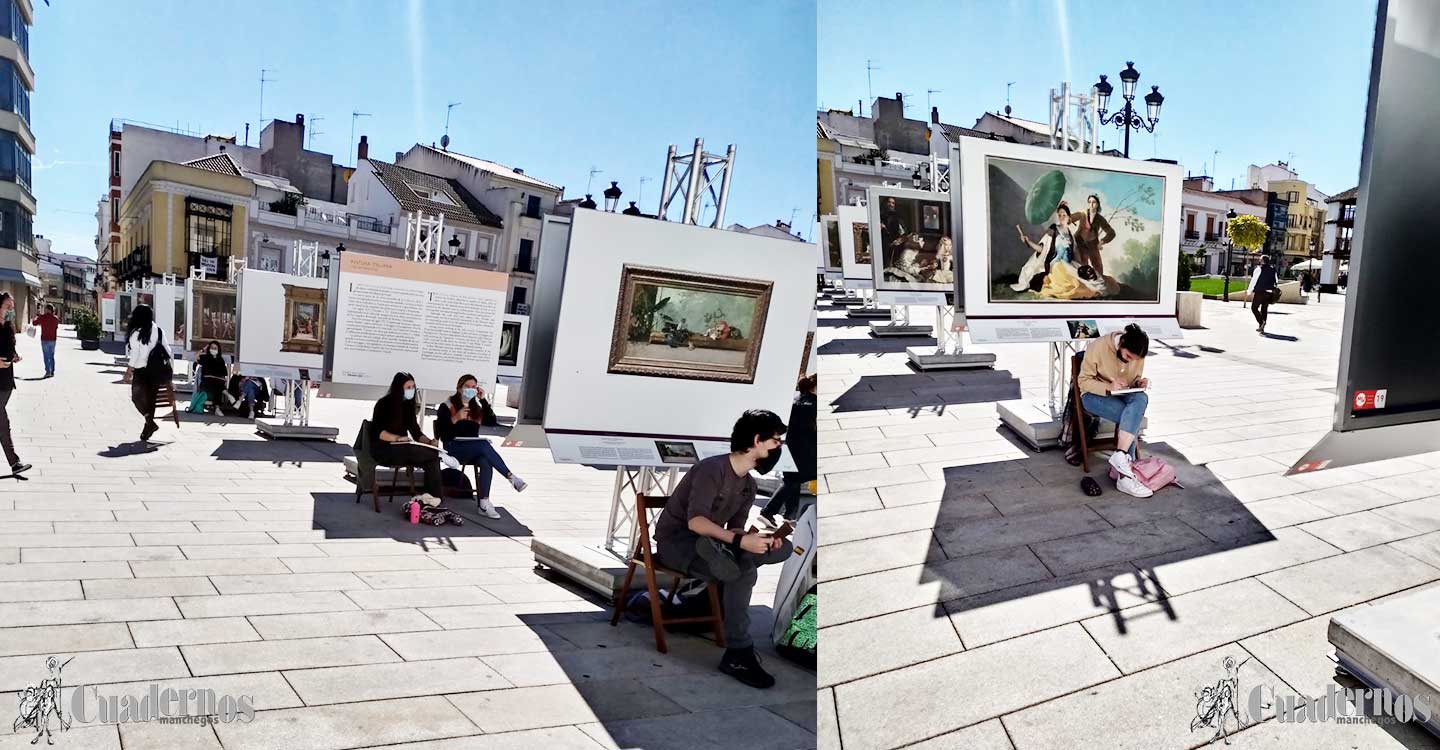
158	366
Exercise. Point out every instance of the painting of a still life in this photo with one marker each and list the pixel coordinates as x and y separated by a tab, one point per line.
679	324
304	320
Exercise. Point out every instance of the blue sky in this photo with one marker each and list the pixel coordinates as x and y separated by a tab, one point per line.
552	87
1258	81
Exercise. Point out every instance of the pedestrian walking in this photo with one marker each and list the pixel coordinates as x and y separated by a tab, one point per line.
1264	291
801	442
148	369
8	358
49	326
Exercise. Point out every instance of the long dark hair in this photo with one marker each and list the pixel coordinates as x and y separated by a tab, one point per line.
4	297
397	388
457	403
1134	340
141	318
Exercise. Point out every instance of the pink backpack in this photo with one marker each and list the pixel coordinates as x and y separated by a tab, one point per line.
1153	472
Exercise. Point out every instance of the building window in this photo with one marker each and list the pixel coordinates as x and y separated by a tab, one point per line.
522	263
207	229
1293	196
1349	213
518	304
16	228
14	97
12	25
532	207
14	160
482	249
115	163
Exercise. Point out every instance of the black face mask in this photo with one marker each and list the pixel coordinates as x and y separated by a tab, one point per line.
768	463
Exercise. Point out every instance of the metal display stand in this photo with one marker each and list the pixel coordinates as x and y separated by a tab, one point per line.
293	423
899	324
949	350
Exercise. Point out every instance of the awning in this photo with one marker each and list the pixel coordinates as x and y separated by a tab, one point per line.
11	274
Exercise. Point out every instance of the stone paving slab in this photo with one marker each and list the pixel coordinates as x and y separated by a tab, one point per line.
888	642
348	725
281	627
750	728
472	642
261	656
1361	530
987	736
1334	582
509	710
369	682
1092	550
194	631
64	638
930	699
96	667
1032	607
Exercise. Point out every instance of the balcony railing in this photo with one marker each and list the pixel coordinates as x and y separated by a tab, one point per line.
1191	234
1212	236
369	223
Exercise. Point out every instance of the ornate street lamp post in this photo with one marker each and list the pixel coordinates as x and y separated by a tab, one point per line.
1127	118
1229	217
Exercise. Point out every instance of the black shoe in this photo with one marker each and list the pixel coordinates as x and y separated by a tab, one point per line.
743	665
19	467
150	429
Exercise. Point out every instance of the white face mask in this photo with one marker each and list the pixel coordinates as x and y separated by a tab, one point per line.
409	394
214	351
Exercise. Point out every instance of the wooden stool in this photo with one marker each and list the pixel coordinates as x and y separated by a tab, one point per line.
644	556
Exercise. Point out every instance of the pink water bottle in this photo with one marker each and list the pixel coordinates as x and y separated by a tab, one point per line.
414	511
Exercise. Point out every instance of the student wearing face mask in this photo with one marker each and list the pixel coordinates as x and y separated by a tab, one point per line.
458	422
702	532
395	435
8	357
213	373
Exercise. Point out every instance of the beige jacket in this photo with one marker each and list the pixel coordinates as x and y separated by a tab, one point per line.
1102	369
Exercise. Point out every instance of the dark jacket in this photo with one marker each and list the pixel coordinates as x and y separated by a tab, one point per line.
7	351
447	429
396	416
801	437
212	366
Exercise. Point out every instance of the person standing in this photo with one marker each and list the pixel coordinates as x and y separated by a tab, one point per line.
802	449
701	532
457	423
49	326
8	358
395	435
1092	233
1264	291
142	338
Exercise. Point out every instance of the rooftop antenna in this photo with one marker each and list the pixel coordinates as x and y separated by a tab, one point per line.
445	139
311	120
904	104
1008	84
641	195
928	92
1214	163
353	117
793	211
869	86
593	172
263	81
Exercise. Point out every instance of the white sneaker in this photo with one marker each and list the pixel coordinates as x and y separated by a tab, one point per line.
1120	462
1132	487
517	483
427	499
487	509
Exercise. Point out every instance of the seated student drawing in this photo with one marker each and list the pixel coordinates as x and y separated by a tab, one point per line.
1117	362
457	423
702	533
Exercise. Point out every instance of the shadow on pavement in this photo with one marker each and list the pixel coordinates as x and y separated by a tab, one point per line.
342	517
885	345
840	322
296	452
1269	335
129	449
922	390
1012	530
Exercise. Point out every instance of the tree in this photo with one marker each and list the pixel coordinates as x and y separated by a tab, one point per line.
1247	232
1182	280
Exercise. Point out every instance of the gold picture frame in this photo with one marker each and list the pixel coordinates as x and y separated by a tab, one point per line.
304	320
681	324
212	315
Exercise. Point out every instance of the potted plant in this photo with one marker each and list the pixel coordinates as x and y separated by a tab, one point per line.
87	329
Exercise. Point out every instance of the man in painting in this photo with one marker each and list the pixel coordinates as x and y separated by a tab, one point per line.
702	532
1092	233
891	230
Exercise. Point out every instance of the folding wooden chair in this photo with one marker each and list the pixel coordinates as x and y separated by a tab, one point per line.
645	556
165	396
366	476
1086	445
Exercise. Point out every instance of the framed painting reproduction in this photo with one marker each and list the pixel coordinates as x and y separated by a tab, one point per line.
676	452
915	250
855	245
1069	233
679	324
304	320
509	343
830	239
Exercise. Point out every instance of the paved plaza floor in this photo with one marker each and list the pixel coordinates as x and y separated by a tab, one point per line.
973	597
216	559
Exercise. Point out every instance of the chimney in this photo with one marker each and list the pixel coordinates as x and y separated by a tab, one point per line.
900	100
398	154
935	115
363	150
519	170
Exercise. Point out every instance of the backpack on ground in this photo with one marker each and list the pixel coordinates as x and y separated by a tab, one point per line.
1153	472
799	641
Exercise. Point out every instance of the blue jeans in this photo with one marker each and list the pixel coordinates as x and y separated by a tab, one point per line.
483	456
1126	410
47	348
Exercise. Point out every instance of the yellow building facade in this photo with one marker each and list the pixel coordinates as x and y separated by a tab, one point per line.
1307	219
179	217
